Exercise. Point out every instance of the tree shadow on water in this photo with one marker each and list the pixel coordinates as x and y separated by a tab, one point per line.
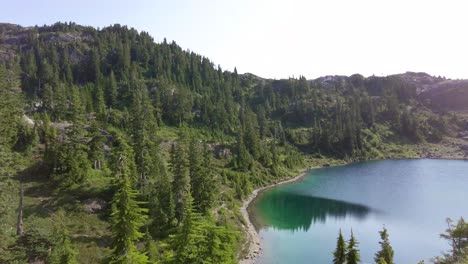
292	211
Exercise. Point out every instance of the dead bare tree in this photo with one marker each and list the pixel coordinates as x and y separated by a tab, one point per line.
19	224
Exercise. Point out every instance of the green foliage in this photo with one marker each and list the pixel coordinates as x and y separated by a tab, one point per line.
352	251
34	245
381	260
63	251
127	215
161	203
457	236
386	251
116	99
339	255
152	250
203	183
68	161
181	180
201	241
10	108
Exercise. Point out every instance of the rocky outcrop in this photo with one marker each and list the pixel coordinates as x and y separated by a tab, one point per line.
94	205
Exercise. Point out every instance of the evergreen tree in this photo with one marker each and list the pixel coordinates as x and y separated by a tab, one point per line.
111	91
68	162
203	183
99	102
201	241
143	132
219	244
352	251
127	217
457	236
161	200
96	146
63	251
381	261
181	182
243	159
195	168
151	249
339	255
386	251
274	156
10	108
186	243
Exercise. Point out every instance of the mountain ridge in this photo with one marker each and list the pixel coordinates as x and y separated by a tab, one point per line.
102	99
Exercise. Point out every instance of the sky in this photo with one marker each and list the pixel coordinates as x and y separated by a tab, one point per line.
280	39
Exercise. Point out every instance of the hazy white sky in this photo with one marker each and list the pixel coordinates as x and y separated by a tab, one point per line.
277	39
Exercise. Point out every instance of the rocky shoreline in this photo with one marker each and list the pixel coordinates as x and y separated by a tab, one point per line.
254	240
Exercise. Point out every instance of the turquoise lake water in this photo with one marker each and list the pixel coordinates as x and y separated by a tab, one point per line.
299	222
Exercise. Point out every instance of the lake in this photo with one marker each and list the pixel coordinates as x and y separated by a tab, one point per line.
299	222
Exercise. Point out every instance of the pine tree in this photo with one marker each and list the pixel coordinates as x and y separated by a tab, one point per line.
68	161
111	91
151	249
63	251
127	217
386	251
181	182
96	146
219	244
352	254
99	102
195	168
381	261
339	255
143	132
201	241
161	200
243	159
275	160
10	108
186	243
203	184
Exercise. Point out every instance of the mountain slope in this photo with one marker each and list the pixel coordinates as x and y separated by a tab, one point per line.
191	137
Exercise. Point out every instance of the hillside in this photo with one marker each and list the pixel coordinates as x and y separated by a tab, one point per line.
95	123
439	93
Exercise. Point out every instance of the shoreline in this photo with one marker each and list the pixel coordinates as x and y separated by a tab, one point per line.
254	239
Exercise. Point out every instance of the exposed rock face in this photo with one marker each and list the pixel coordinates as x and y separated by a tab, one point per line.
15	37
28	121
94	205
440	93
222	152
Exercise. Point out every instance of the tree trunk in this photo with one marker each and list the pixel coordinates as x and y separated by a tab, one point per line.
19	224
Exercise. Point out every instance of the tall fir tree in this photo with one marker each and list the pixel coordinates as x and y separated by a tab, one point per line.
386	251
352	251
339	255
186	242
382	261
127	216
161	201
201	241
10	108
63	251
111	91
203	183
181	179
